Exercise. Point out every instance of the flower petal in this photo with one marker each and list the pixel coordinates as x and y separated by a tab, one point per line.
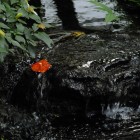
41	66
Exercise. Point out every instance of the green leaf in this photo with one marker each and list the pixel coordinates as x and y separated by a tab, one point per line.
24	4
3	49
15	43
3	43
8	37
20	39
105	10
2	16
20	27
32	43
13	1
35	17
22	21
9	9
2	25
2	7
11	20
32	51
44	37
2	56
34	27
17	34
28	33
110	17
24	12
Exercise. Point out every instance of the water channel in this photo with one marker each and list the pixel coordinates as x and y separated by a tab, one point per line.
121	123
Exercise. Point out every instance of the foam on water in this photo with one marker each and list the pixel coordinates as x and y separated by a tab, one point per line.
122	112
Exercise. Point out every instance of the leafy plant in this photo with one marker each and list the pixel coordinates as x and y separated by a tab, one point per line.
20	28
110	16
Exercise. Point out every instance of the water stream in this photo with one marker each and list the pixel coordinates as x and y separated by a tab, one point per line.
121	122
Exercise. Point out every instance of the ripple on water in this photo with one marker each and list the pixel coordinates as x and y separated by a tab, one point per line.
87	13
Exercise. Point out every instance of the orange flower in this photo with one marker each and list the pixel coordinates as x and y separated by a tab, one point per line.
41	66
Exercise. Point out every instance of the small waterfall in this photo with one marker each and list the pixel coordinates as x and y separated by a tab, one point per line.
121	112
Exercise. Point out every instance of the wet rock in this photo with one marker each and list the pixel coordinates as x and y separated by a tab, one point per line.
88	73
19	124
130	6
10	72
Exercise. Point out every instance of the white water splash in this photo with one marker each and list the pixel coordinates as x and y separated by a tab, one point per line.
118	112
87	65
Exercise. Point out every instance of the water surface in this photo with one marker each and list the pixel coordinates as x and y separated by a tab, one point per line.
87	13
121	122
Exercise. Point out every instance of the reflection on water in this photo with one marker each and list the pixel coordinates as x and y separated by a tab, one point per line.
87	13
50	12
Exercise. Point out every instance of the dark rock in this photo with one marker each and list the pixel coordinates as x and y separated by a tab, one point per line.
131	8
10	72
88	73
18	124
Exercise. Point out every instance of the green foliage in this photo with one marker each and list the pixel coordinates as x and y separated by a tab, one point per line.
17	34
1	138
110	16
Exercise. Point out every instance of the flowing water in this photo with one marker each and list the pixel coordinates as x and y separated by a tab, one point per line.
121	122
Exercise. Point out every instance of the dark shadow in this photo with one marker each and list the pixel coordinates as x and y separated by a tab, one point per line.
37	4
132	9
